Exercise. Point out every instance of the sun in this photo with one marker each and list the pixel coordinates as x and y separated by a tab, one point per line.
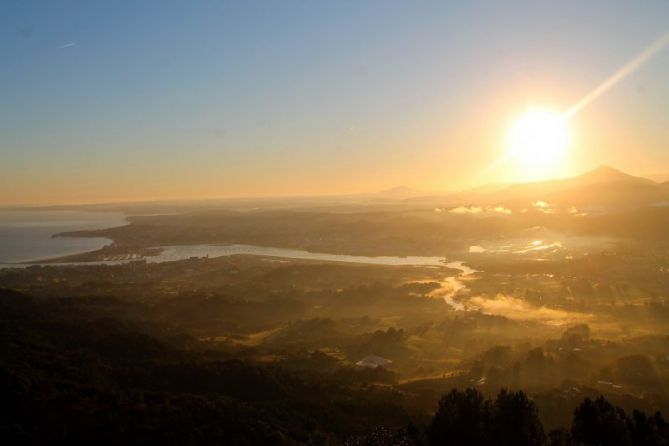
538	142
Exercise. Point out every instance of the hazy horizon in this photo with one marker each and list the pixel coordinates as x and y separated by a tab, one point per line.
657	178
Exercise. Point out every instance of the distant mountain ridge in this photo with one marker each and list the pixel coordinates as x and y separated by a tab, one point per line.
601	187
600	175
396	193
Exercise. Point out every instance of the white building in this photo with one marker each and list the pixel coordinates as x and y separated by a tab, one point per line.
373	361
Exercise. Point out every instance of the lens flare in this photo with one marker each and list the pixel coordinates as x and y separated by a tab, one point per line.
538	140
621	74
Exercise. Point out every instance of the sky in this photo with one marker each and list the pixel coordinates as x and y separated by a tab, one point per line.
141	100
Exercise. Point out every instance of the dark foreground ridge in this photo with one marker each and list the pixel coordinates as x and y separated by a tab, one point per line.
71	376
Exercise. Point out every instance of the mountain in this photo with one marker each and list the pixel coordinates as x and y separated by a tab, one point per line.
397	193
603	186
600	175
604	174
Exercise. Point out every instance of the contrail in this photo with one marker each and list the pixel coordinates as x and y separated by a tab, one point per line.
621	74
67	45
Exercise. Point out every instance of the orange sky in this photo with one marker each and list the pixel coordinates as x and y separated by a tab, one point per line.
262	100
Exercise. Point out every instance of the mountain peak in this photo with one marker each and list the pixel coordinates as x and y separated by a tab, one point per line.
607	168
595	184
603	169
606	173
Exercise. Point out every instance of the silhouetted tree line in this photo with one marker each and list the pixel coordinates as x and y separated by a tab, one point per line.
465	417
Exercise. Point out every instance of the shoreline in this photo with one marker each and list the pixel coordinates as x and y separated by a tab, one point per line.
113	254
99	255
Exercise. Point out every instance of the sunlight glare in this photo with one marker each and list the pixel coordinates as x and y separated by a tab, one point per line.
538	141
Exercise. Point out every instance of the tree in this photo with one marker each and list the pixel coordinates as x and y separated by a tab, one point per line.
560	437
466	418
516	421
462	418
598	422
647	430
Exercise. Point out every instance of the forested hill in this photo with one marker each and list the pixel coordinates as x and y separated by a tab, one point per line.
70	373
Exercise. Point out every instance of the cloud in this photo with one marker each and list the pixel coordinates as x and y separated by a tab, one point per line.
467	210
539	245
518	309
500	210
66	45
478	210
543	206
574	211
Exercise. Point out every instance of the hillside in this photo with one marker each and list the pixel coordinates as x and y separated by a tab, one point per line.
601	187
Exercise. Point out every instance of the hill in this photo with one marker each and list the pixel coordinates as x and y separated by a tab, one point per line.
601	187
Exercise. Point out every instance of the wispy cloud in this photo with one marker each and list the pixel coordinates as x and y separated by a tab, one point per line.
543	206
66	45
467	210
520	310
478	210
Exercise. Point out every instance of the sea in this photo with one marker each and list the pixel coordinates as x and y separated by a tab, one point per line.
28	235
